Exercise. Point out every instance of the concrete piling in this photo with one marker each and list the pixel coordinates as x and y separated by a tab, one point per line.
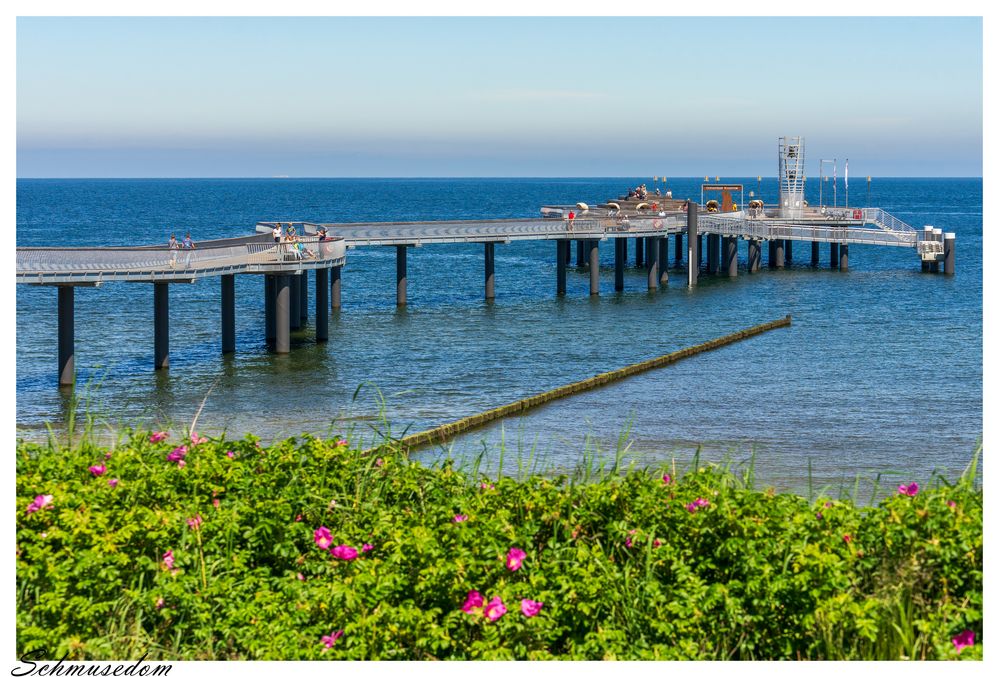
949	241
228	283
580	253
269	294
938	236
620	260
692	238
755	253
833	254
335	287
771	253
67	339
594	267
844	257
562	247
295	308
303	302
490	264
400	275
639	252
678	249
283	316
787	252
322	305
713	251
731	256
700	252
664	259
652	248
778	253
161	325
815	254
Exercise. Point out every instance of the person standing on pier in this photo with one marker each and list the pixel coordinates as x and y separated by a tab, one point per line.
276	232
174	246
188	244
572	215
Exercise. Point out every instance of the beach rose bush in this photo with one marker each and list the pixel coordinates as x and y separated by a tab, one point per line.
310	549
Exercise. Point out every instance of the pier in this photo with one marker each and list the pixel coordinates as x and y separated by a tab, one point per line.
712	232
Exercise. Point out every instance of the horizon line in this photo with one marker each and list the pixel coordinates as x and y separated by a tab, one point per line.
512	176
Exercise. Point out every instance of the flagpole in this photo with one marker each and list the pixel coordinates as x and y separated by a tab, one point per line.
846	182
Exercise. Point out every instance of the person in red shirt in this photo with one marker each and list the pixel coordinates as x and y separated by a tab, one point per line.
572	215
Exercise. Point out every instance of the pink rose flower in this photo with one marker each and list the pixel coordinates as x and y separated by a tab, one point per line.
847	538
963	640
215	503
697	504
196	440
515	558
97	470
341	442
323	537
41	501
230	454
194	522
460	518
474	601
158	436
168	559
529	607
330	640
908	489
494	610
667	479
367	547
344	552
113	482
177	455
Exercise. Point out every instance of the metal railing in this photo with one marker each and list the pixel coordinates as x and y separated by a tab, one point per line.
889	223
132	261
736	225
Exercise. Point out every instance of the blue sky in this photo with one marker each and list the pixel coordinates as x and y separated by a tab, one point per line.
152	97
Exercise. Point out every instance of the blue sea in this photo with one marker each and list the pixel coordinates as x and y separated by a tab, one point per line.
880	373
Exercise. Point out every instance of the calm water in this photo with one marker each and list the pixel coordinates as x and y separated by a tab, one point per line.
881	371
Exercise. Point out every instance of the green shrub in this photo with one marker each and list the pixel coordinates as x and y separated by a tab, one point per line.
625	566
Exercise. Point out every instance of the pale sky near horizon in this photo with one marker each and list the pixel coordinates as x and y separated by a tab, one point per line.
247	97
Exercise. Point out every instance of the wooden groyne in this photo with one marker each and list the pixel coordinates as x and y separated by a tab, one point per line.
442	433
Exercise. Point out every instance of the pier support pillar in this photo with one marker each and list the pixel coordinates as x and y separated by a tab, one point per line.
67	339
639	252
303	302
833	254
295	308
927	235
754	255
620	259
580	253
730	260
664	259
400	275
678	249
949	241
692	238
938	236
652	249
815	254
269	292
713	248
228	313
778	253
700	252
562	248
771	253
490	264
283	315
161	325
594	267
787	252
844	257
322	305
335	287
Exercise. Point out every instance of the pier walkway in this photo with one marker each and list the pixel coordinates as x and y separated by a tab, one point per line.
285	268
